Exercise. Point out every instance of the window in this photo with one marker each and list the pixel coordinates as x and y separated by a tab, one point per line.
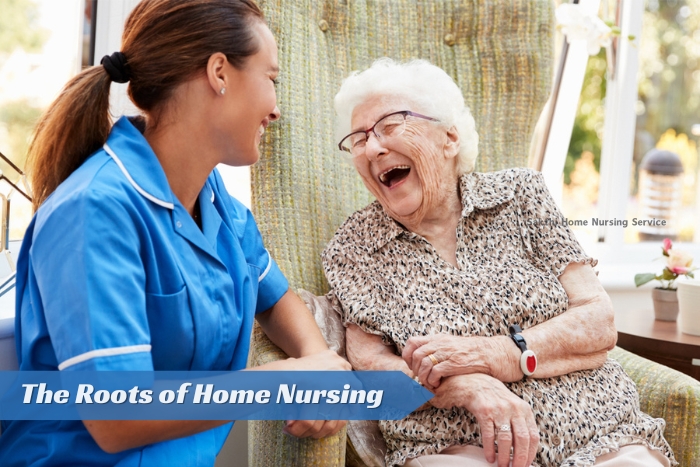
668	112
652	101
40	50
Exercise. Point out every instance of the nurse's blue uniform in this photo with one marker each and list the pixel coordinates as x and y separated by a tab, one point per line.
114	274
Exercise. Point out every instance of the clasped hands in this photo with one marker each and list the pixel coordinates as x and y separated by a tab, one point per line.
469	374
437	356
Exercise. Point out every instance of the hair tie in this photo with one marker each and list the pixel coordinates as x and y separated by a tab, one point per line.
117	68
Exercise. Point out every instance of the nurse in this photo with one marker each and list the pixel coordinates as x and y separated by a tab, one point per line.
137	257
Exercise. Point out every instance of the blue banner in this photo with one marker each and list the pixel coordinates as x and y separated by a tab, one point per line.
187	395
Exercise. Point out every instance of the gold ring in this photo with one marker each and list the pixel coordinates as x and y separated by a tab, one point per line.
433	359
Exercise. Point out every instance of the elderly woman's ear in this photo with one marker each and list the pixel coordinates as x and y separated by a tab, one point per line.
452	143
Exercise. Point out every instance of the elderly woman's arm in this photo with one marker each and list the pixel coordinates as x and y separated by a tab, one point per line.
367	352
487	398
575	340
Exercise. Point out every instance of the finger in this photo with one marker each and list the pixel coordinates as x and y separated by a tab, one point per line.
429	387
288	424
534	431
488	439
424	370
436	374
415	359
315	428
303	428
329	427
505	441
420	356
339	425
411	345
521	442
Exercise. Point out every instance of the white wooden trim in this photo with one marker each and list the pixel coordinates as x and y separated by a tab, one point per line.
620	122
559	137
111	16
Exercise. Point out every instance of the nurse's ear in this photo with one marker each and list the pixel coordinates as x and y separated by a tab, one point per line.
216	73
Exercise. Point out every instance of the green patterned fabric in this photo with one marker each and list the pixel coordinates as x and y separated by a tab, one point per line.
500	53
671	395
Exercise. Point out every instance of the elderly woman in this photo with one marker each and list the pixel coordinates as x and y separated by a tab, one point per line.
472	284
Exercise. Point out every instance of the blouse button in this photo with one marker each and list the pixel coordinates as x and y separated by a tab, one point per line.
556	440
538	394
497	318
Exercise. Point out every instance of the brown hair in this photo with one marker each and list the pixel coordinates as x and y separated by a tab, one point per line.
166	43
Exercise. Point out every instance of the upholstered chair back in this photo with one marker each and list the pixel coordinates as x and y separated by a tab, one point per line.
500	53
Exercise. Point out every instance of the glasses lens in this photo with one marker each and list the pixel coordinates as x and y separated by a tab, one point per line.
391	125
354	142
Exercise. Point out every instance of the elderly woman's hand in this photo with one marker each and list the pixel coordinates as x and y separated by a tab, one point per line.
436	356
494	407
576	340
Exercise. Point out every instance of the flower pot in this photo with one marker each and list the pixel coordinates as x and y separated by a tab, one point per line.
689	307
665	304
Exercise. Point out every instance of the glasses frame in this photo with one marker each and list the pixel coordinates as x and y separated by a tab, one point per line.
405	113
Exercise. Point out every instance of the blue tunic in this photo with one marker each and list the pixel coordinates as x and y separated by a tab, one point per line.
114	274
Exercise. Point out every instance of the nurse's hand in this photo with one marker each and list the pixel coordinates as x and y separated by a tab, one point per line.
313	428
326	360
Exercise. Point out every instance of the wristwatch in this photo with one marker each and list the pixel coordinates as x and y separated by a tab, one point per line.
528	359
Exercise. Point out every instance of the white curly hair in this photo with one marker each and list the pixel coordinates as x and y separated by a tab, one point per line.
427	86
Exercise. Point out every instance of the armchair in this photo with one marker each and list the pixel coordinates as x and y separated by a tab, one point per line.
500	52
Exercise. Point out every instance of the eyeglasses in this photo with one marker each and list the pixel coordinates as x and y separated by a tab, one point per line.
390	126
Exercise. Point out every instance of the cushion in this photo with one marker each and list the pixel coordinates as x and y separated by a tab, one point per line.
367	441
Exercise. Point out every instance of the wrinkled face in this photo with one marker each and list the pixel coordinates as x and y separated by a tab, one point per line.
252	100
409	174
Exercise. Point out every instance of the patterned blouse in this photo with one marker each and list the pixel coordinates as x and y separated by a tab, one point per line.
512	244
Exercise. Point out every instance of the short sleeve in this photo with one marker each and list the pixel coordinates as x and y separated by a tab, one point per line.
546	235
272	284
361	296
91	282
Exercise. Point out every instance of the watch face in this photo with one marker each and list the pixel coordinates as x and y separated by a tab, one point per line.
531	363
528	362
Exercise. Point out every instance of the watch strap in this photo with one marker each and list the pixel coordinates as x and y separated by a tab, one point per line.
528	359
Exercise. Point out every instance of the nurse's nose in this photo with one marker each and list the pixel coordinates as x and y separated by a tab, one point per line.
275	115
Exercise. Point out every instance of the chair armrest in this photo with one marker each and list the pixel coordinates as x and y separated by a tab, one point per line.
671	395
268	446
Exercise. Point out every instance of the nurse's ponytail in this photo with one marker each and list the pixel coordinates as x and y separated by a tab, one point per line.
75	125
165	43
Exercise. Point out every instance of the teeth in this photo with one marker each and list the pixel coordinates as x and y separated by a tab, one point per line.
382	176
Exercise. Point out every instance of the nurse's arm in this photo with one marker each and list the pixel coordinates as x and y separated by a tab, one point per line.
114	436
290	325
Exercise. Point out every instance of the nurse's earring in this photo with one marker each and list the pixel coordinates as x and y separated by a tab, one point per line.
223	91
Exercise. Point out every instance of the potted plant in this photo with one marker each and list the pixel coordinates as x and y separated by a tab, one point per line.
678	263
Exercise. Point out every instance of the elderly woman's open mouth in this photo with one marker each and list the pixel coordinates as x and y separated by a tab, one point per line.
394	175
